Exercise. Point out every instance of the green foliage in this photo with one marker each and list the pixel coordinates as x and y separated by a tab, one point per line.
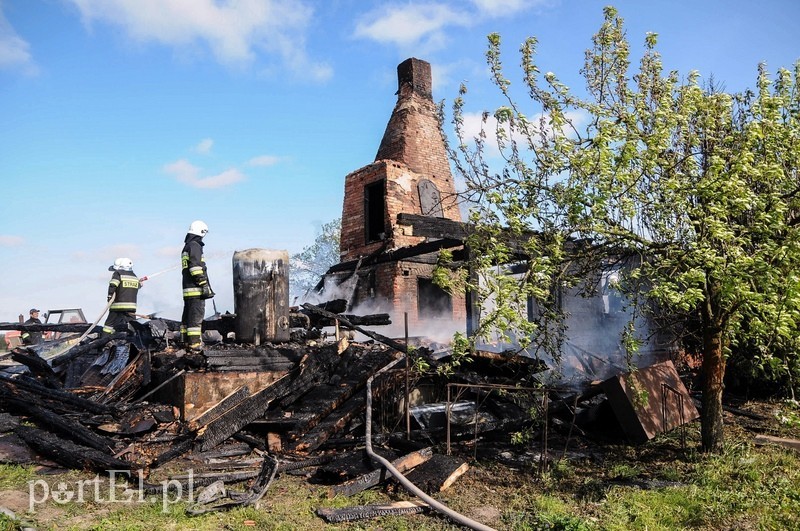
307	267
699	186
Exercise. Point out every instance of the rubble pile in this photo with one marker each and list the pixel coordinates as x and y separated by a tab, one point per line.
124	402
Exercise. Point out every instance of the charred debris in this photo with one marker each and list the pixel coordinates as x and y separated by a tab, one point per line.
240	414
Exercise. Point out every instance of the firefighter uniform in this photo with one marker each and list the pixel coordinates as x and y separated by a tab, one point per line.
124	287
196	288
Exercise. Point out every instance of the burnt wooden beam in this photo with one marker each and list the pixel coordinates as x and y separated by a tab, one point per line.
332	425
365	512
51	327
38	366
217	410
431	227
69	454
75	402
62	425
438	473
135	375
376	477
396	255
378	319
378	337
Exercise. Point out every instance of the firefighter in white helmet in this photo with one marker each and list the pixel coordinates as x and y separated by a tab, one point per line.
196	288
124	288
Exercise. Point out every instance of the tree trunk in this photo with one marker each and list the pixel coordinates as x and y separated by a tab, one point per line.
713	373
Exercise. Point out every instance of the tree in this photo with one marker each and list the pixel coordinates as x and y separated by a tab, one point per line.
307	267
699	184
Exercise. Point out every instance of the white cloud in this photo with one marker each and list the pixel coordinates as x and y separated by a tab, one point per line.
204	147
410	25
473	121
263	160
236	33
10	241
189	174
504	8
14	50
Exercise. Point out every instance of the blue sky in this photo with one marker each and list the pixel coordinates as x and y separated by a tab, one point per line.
121	121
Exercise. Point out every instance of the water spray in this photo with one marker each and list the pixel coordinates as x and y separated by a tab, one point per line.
167	270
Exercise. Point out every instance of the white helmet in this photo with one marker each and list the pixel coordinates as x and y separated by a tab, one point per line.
122	264
198	228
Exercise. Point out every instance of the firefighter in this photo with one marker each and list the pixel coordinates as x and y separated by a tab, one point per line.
31	338
196	288
124	287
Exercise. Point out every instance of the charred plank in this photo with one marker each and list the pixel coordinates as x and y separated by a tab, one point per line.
431	227
68	453
74	402
376	477
438	473
365	512
59	424
378	337
37	366
128	382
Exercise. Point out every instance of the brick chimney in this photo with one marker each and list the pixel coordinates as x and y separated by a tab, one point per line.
410	175
412	135
411	172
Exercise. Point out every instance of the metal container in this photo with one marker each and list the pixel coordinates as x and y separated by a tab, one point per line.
261	295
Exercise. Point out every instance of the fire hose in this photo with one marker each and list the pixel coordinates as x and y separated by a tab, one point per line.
86	333
456	517
114	296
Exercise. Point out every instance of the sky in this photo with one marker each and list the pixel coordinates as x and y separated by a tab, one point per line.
122	121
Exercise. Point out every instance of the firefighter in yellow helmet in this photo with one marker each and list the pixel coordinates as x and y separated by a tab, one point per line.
196	288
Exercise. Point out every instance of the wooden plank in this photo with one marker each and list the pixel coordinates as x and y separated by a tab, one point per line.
332	425
67	427
218	409
432	227
37	366
68	453
438	473
256	405
406	462
243	364
793	444
135	375
364	512
68	400
395	255
378	337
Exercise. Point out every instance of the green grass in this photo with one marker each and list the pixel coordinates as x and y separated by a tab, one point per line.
744	487
15	476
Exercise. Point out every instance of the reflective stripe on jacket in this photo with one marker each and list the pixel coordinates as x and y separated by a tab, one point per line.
126	286
193	267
